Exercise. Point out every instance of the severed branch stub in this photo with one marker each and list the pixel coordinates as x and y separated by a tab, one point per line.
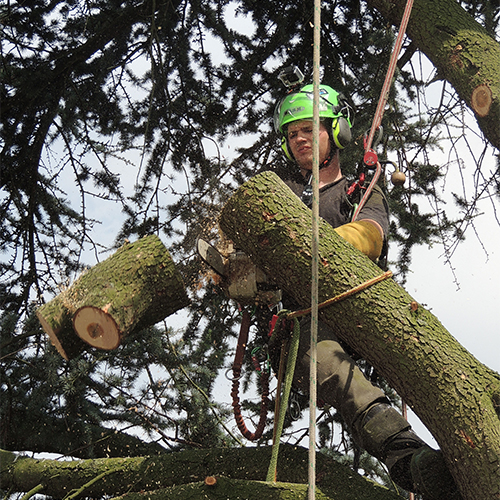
210	481
481	100
132	289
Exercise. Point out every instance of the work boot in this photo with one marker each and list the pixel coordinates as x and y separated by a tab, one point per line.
413	465
431	475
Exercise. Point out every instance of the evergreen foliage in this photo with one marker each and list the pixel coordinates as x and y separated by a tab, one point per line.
155	111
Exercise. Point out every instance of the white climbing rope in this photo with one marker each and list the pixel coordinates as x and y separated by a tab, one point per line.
314	253
315	211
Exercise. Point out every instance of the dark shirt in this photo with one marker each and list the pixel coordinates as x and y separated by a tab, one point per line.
336	208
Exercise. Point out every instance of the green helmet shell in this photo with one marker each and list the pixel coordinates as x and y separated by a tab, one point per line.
299	106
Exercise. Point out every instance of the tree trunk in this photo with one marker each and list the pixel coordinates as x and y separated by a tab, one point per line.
462	51
455	396
182	474
132	289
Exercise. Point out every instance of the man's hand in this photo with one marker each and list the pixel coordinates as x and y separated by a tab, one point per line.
365	235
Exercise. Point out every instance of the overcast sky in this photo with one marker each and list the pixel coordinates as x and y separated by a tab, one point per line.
467	310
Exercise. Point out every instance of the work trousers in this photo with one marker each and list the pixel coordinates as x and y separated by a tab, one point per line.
340	382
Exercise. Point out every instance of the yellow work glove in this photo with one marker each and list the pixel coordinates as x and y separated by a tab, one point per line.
363	235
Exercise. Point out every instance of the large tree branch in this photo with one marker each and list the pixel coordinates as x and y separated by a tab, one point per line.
56	436
455	395
161	473
462	51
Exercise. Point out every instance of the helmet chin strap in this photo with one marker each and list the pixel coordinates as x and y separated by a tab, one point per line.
328	159
331	153
322	165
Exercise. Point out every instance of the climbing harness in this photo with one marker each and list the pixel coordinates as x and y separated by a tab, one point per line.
276	334
287	346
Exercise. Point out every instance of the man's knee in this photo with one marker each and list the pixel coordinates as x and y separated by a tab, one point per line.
329	357
341	383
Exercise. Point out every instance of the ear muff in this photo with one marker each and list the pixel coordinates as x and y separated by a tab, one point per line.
341	127
284	147
341	132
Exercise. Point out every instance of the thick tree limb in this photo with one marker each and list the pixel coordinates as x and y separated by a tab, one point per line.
455	395
55	435
180	475
225	489
462	51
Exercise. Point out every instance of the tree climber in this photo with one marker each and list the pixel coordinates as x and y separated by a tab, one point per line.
376	426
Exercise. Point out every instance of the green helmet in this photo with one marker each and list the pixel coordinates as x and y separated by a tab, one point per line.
299	106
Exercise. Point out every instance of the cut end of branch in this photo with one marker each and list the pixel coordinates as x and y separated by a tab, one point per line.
97	328
481	100
210	481
52	335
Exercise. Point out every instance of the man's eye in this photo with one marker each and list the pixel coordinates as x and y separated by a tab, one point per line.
292	135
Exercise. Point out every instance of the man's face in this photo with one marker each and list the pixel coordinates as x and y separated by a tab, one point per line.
300	142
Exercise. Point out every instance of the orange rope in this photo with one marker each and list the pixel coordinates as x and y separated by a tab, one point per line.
344	295
370	157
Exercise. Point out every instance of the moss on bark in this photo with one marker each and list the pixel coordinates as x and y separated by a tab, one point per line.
239	473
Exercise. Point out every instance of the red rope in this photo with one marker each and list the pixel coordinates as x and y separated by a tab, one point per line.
238	362
379	113
370	157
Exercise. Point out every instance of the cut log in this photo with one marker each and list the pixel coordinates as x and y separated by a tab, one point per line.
97	327
132	289
454	395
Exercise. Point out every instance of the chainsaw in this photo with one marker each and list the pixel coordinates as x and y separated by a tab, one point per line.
244	281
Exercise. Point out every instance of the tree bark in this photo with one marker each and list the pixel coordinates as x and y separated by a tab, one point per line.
225	489
132	289
455	396
56	321
180	475
462	51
